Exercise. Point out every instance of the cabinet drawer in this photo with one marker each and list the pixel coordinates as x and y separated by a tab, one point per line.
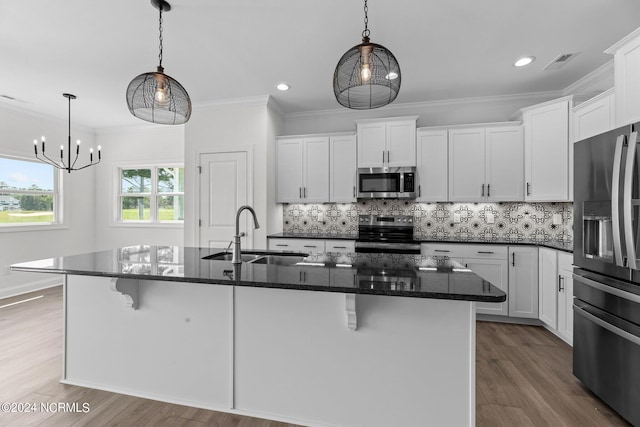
461	250
340	245
301	245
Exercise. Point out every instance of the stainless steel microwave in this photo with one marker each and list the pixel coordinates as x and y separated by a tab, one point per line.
387	183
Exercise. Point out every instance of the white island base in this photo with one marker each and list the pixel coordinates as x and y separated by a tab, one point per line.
280	354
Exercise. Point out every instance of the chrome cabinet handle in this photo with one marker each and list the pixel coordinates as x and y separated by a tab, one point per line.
354	191
627	207
615	199
382	156
419	190
482	190
309	246
485	252
560	287
440	250
488	190
388	156
513	259
281	244
528	192
339	247
300	192
304	192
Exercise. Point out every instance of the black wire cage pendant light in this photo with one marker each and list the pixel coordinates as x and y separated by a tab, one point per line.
368	75
157	97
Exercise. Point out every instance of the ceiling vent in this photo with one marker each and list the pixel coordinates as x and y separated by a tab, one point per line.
559	61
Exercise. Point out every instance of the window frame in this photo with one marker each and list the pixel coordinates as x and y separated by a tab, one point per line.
58	200
154	195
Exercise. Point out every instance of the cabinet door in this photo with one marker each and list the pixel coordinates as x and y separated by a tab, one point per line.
504	164
594	116
627	79
401	143
342	167
316	170
341	246
466	165
432	169
495	272
546	139
523	282
548	287
565	297
289	170
372	141
297	245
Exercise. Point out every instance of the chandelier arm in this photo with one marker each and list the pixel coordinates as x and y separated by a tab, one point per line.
86	166
54	163
48	161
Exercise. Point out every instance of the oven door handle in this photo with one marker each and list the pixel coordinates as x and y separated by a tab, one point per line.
608	326
615	201
627	207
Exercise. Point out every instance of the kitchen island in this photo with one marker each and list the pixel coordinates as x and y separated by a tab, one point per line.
322	340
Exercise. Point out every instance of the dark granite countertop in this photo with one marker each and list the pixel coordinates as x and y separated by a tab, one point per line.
413	276
561	246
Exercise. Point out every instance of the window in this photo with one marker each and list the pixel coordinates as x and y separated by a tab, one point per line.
151	194
29	193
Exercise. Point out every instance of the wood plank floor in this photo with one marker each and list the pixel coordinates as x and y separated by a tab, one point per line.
523	379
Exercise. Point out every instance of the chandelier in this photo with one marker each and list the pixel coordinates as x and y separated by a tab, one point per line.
368	75
157	97
67	165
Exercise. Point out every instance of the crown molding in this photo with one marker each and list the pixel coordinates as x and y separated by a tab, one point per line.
27	112
589	83
436	104
261	100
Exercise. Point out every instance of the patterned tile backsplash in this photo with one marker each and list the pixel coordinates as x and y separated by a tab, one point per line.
515	222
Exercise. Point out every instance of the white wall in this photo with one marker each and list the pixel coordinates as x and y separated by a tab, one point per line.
221	127
145	145
17	131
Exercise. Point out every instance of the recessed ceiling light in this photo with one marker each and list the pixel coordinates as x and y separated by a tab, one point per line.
526	60
283	86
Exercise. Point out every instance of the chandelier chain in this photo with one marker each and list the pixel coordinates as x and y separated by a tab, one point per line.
366	32
160	36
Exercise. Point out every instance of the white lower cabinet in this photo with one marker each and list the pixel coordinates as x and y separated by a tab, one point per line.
565	297
523	281
297	245
556	292
340	246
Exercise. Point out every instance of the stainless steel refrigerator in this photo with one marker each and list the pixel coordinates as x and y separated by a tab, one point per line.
606	310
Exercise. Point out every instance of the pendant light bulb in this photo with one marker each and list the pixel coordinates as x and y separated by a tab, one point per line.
365	72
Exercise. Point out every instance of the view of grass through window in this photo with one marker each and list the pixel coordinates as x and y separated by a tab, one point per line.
152	194
27	192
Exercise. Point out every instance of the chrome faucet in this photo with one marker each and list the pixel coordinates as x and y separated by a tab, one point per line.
237	259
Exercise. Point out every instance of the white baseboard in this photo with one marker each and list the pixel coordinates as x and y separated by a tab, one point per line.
30	287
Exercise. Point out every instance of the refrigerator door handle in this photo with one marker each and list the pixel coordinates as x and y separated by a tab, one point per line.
615	202
608	326
627	207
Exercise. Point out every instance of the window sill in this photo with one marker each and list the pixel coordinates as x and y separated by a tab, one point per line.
148	224
18	228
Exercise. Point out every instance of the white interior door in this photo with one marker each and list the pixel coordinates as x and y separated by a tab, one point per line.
223	189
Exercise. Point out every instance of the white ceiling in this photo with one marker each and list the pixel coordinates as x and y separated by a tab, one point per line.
224	49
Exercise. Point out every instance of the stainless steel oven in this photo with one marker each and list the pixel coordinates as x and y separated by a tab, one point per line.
381	183
386	234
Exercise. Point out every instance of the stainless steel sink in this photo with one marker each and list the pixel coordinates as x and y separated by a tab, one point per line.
261	257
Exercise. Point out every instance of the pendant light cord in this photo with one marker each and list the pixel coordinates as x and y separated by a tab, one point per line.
366	32
160	37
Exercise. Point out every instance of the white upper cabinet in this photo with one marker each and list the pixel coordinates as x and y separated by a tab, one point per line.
432	168
302	169
387	142
594	116
342	165
504	163
486	164
546	151
466	165
626	64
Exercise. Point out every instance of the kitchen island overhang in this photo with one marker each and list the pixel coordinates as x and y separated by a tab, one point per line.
310	344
